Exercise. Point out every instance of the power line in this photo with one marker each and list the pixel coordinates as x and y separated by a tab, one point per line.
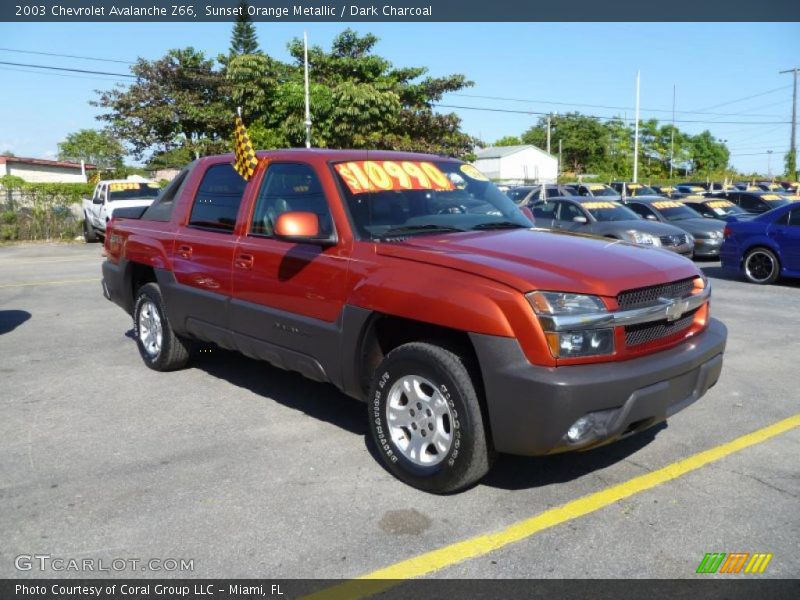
51	74
108	60
663	110
14	64
747	97
534	112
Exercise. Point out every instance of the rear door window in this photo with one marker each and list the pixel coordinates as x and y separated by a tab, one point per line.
218	198
544	210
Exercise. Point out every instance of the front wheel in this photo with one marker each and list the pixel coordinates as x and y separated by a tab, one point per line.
425	418
159	345
761	266
89	233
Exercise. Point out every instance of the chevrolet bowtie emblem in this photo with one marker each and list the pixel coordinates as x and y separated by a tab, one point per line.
675	308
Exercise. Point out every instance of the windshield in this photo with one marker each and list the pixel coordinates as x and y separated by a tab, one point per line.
640	190
674	211
602	190
415	197
724	208
132	190
775	200
610	211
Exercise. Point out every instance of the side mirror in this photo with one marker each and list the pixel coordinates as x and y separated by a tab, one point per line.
97	200
707	216
528	213
651	218
299	227
579	219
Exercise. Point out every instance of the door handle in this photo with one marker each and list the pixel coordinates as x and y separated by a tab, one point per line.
244	261
185	251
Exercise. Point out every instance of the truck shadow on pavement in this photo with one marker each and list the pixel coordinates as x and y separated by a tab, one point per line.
11	319
324	402
318	400
524	472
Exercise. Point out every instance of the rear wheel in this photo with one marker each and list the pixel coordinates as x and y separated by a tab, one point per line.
160	347
89	233
425	418
761	266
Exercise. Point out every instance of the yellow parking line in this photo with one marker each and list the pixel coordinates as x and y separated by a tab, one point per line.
35	283
429	562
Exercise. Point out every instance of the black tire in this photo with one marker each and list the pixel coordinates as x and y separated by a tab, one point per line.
469	456
89	233
761	266
173	352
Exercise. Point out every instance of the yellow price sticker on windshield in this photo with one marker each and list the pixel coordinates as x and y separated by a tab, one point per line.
364	176
667	204
597	187
473	173
634	186
771	197
121	187
693	197
596	205
719	204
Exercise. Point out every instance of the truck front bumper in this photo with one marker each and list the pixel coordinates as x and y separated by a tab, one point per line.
531	408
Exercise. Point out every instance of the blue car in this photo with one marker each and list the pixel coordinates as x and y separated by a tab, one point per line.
765	247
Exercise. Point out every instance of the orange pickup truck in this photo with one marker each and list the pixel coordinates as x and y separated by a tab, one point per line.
412	283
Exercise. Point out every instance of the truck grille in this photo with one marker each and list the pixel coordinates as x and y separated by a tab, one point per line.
650	332
673	240
647	296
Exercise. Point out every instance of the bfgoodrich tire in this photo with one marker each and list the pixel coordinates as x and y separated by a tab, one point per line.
425	418
761	266
160	347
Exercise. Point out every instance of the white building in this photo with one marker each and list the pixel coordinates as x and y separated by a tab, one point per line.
39	170
517	164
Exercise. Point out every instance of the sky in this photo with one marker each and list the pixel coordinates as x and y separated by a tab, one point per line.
730	69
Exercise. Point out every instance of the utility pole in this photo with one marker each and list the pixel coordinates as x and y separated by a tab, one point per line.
793	141
308	92
636	135
560	158
548	134
769	164
672	135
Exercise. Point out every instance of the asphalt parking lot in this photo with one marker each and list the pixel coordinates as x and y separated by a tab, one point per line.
255	472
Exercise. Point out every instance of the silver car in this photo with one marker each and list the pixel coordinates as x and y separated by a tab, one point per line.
610	219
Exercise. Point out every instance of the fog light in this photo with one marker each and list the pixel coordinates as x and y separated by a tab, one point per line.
580	428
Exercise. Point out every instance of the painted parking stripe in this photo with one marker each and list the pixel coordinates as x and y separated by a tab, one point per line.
59	282
430	562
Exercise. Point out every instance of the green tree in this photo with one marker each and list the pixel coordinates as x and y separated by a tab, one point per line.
99	148
243	38
179	100
584	140
358	99
7	153
508	140
707	153
791	164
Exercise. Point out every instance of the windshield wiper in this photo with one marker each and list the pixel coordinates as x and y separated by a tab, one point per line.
499	225
405	230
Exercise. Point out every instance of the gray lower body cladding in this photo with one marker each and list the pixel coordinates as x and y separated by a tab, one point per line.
531	407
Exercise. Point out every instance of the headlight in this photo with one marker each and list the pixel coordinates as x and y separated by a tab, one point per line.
640	237
562	303
578	342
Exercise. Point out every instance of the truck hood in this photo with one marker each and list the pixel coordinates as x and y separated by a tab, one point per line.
535	259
